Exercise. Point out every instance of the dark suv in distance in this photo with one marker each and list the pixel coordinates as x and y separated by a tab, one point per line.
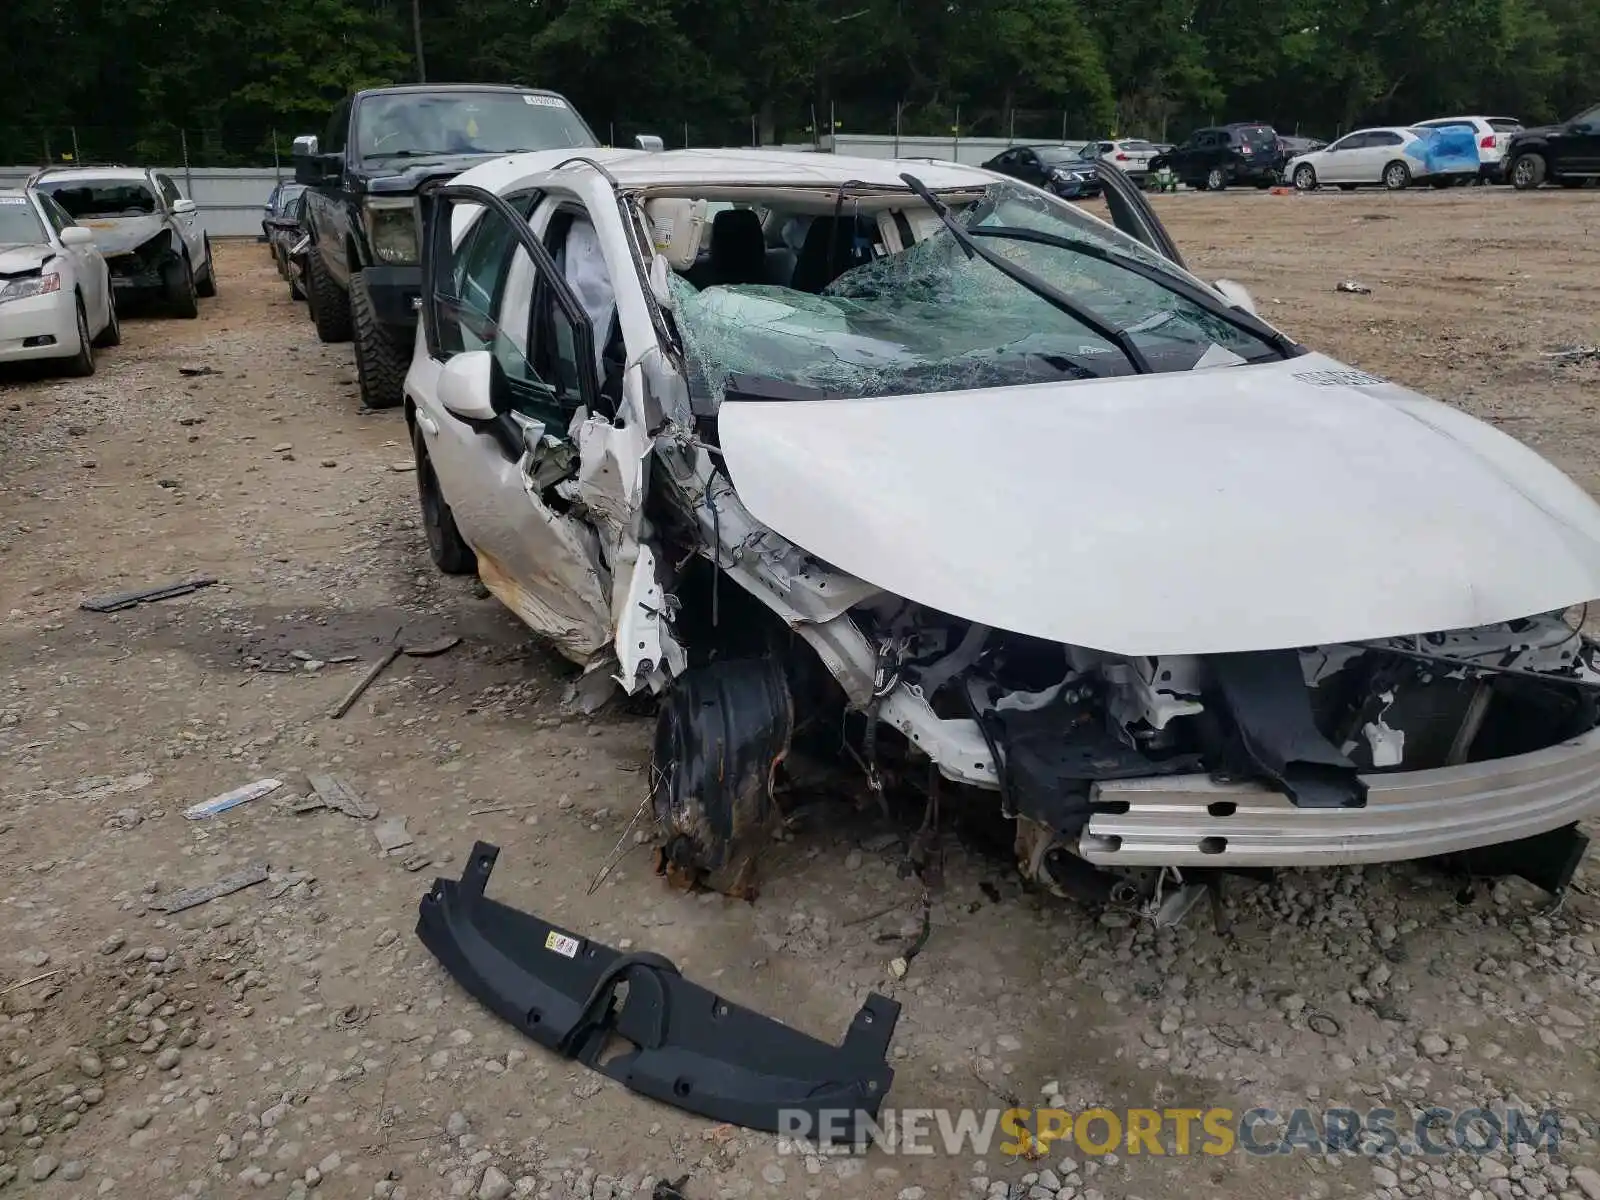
1568	154
1212	158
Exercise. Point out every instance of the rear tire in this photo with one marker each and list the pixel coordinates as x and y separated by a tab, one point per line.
1527	172
1305	178
446	547
330	303
381	362
81	364
1397	177
179	288
206	284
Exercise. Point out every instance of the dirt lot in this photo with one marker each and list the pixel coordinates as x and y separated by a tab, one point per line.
295	1038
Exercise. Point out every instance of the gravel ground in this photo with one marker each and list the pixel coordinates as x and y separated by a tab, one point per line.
294	1039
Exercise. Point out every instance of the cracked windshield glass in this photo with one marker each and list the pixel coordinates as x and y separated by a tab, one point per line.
933	319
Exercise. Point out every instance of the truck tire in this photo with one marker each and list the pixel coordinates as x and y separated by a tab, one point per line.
381	361
1527	172
330	303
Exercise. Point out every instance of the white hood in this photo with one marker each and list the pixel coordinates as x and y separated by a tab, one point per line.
1239	508
14	260
118	235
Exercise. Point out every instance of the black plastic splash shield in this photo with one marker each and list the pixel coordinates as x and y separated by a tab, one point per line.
690	1048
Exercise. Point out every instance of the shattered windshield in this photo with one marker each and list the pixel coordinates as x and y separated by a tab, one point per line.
419	124
105	198
931	319
19	224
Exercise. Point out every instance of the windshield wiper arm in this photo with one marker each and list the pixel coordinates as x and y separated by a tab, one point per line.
1021	275
1175	284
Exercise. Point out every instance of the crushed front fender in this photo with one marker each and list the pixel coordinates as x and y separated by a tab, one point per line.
689	1047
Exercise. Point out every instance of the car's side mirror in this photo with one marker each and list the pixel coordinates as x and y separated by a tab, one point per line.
466	386
307	159
181	207
649	143
76	235
1237	295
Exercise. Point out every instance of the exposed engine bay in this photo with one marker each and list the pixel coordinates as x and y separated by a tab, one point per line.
1315	726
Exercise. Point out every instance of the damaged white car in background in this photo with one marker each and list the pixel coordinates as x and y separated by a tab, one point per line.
925	461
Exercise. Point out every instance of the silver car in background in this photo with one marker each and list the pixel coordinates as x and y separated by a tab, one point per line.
148	231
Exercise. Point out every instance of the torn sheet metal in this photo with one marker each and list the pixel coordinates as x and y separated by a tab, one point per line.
236	881
646	649
336	793
683	1044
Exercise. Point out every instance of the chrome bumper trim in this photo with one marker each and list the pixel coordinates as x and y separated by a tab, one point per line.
1190	820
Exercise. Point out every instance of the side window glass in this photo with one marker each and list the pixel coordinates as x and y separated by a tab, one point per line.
1384	139
465	298
169	190
333	137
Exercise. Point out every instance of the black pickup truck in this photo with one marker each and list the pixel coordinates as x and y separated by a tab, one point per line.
383	148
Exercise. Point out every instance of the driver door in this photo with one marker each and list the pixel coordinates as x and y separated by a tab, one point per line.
1580	143
1342	160
511	481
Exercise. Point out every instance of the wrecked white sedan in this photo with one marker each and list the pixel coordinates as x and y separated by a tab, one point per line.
921	458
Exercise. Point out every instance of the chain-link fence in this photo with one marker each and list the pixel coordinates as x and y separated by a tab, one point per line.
170	146
269	146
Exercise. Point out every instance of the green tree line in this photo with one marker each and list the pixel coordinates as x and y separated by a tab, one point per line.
231	74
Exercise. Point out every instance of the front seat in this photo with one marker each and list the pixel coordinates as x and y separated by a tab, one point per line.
832	247
738	248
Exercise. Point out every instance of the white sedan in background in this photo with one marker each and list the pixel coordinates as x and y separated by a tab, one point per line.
1393	156
56	300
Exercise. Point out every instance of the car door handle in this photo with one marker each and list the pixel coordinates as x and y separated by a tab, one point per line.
429	426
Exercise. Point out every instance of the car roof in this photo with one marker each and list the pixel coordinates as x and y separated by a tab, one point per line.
775	168
427	88
128	173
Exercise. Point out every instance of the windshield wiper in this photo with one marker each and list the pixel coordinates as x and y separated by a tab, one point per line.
1175	284
1021	275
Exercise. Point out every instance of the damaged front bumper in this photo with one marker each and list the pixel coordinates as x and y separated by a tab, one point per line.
1194	821
635	1019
